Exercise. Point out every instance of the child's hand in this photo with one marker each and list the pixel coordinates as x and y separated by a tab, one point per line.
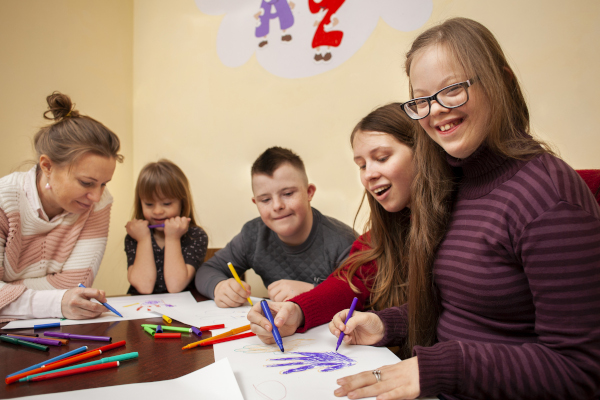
363	328
229	293
176	227
288	317
138	229
284	289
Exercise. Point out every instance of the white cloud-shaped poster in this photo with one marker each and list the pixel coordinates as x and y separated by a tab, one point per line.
301	38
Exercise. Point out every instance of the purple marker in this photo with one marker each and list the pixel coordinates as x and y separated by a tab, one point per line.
156	226
47	342
197	331
352	307
81	337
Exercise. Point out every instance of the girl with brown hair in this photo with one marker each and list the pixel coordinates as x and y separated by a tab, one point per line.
54	218
508	305
164	245
376	270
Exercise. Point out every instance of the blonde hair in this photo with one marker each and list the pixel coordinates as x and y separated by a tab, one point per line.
72	135
163	179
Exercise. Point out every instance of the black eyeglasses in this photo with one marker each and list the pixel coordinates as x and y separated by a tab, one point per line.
452	96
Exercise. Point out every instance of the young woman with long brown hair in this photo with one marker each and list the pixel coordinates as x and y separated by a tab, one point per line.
376	270
508	306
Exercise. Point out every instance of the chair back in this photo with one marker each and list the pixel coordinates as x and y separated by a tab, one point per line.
592	179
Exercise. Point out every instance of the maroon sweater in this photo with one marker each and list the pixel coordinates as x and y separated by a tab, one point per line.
518	274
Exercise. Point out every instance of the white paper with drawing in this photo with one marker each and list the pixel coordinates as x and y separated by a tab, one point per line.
307	370
131	307
207	313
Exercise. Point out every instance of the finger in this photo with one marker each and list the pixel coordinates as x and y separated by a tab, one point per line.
240	291
353	382
256	318
273	285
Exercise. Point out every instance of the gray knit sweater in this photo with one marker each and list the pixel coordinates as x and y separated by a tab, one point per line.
259	248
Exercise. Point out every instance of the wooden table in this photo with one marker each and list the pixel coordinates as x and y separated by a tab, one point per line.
159	359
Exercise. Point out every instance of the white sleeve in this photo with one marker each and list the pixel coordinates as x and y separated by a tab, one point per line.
35	304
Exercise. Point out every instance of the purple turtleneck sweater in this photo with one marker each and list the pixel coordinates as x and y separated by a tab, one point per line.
518	274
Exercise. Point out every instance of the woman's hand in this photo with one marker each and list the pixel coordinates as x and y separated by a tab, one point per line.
288	316
284	289
76	303
138	229
176	227
398	381
362	328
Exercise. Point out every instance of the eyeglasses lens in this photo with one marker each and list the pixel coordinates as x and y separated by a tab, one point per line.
451	97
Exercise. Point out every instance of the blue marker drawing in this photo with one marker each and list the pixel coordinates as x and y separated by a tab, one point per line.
324	362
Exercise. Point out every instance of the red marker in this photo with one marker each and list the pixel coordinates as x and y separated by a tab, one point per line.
169	335
211	327
75	371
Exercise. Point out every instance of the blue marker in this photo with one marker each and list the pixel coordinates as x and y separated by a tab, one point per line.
275	331
67	354
352	307
52	325
105	304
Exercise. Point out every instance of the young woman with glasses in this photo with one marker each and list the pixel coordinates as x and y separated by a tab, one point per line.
508	305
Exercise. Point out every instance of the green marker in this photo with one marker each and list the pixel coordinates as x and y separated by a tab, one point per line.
122	357
149	330
169	328
24	343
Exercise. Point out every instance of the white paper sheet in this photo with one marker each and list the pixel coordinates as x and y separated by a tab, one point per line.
206	313
250	358
215	381
131	307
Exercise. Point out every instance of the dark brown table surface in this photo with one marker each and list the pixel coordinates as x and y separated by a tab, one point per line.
159	359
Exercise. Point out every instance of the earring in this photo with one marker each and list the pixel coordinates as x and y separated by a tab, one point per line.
48	187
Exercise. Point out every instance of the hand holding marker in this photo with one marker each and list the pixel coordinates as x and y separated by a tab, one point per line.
267	311
237	278
352	307
105	304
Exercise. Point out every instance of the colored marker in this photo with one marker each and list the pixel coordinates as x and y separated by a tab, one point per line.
105	304
30	335
121	357
149	331
46	342
64	335
63	341
232	332
167	319
167	328
13	340
352	307
237	278
104	349
211	327
210	342
197	331
43	326
274	331
158	329
52	360
75	371
156	226
171	335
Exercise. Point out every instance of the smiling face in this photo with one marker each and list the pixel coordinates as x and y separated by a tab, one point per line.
386	168
460	131
159	209
283	202
75	189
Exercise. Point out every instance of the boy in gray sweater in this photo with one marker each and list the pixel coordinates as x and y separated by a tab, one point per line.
292	246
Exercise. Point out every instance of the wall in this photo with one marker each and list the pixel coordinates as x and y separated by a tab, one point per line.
83	48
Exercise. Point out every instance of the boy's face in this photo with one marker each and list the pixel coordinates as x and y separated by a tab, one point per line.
283	202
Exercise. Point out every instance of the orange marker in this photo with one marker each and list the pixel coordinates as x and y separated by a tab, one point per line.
232	332
103	348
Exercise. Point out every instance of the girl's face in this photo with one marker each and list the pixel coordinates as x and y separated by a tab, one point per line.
159	209
386	168
460	131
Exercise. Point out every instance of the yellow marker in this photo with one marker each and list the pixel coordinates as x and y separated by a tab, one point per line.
129	305
232	332
167	319
237	278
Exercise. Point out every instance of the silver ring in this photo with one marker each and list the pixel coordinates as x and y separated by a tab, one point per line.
377	374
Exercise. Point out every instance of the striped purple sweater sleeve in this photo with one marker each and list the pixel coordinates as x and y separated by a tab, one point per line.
519	277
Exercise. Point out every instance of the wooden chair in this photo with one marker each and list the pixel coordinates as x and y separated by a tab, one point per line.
592	179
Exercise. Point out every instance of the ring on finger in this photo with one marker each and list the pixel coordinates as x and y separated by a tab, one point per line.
377	374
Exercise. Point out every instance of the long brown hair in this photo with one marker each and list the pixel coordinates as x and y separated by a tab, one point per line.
163	179
72	135
388	231
476	50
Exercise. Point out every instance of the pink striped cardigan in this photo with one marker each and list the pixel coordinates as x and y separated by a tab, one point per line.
41	255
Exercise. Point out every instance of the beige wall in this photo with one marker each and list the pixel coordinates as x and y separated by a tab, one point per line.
83	48
180	102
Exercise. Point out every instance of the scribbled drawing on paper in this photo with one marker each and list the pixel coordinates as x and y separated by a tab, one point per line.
324	362
289	346
221	316
129	305
153	303
271	390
